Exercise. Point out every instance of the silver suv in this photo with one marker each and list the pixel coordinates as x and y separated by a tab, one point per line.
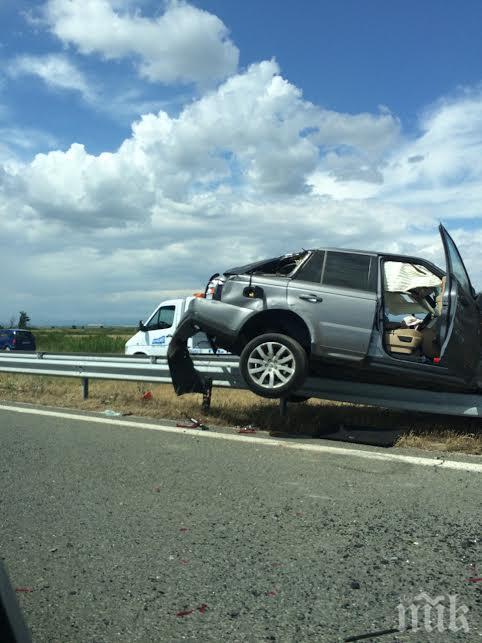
347	314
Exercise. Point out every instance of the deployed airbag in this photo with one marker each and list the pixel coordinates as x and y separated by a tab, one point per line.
402	277
401	303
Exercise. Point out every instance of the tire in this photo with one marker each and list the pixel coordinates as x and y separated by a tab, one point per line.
269	378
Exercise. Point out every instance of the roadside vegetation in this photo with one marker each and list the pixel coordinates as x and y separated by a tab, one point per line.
82	340
242	408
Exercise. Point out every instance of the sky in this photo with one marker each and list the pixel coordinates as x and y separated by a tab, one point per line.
146	144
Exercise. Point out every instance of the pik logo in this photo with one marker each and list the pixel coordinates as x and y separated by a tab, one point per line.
438	614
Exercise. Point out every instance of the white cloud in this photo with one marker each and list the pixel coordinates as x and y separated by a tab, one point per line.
247	138
249	170
436	173
56	70
443	166
184	44
28	139
20	143
125	105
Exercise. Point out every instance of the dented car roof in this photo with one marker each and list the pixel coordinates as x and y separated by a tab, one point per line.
270	265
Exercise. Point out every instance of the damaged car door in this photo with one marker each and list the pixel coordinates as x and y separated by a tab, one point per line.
336	293
460	319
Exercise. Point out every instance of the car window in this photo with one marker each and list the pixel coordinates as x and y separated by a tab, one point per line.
311	269
347	270
164	318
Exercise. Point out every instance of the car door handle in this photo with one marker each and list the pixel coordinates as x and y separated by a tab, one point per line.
314	299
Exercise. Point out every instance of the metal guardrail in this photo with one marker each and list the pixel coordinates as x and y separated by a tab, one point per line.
223	370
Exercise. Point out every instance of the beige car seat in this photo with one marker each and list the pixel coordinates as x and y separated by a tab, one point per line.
440	296
408	341
403	340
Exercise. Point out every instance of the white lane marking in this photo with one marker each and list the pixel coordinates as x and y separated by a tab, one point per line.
289	444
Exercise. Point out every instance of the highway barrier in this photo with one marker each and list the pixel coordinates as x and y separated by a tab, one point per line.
223	370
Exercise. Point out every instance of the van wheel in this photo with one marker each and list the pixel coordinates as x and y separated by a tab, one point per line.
143	354
273	365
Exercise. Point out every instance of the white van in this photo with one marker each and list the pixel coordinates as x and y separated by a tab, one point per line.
154	335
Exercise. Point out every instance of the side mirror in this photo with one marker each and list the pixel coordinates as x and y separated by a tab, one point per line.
141	326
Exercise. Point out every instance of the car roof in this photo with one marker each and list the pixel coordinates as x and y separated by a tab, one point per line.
350	250
375	253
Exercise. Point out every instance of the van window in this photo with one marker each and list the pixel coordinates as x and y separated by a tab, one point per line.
24	334
347	270
163	318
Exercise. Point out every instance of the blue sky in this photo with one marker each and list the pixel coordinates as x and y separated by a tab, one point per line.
132	133
353	56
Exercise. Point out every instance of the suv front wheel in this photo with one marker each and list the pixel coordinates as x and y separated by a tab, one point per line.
273	365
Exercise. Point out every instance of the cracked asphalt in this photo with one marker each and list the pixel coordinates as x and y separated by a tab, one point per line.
124	534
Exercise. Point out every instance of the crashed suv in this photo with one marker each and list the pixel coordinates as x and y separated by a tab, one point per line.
346	314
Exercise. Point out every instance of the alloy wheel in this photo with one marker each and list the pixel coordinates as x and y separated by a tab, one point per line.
271	365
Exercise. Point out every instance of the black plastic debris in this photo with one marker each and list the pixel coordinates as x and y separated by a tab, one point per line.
185	378
192	424
372	635
369	435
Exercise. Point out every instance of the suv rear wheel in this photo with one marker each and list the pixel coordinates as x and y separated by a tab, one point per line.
273	365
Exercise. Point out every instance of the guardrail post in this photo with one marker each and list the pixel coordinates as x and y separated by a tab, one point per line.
85	388
283	406
206	404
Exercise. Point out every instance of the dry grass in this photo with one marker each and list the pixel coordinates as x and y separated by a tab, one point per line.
240	408
449	441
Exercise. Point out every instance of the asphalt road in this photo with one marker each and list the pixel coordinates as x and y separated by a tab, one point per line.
126	534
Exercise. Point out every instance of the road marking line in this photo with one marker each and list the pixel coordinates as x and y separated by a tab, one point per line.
317	448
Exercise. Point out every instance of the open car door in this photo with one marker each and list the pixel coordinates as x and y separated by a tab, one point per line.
460	323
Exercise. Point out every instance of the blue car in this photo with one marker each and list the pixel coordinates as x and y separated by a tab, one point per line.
16	339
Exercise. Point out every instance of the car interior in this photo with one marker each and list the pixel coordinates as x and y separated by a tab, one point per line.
412	301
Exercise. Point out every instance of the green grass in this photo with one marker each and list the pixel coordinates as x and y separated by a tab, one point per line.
105	340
